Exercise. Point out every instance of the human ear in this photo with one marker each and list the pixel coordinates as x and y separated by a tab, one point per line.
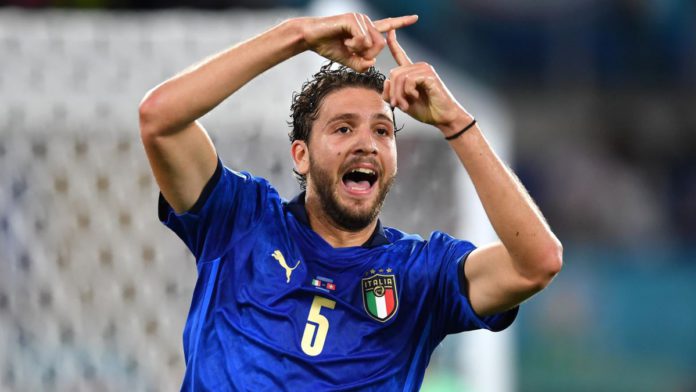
300	155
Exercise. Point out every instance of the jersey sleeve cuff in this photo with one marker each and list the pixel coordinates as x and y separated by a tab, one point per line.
496	322
164	209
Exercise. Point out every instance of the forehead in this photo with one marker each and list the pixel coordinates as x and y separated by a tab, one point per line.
356	100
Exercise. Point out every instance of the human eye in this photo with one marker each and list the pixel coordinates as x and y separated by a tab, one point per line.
343	129
383	131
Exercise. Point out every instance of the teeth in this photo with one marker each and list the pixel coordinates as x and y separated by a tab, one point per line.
364	171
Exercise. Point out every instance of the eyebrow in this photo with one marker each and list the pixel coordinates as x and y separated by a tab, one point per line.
353	116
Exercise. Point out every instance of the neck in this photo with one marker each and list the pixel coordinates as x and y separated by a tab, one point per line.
329	231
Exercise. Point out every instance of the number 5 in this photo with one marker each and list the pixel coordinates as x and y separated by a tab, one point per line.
314	346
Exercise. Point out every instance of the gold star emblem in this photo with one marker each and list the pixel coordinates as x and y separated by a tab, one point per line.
381	270
372	271
389	270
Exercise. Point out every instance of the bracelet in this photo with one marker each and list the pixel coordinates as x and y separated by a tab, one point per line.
456	135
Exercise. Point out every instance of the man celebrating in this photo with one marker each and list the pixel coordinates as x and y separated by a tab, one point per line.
315	294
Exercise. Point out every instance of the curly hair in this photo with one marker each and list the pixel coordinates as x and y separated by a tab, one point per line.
307	102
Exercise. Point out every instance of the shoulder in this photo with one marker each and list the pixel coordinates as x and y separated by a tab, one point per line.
234	179
232	175
238	192
440	238
437	238
439	249
444	246
396	236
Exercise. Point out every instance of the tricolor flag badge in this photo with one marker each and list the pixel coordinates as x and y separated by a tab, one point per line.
323	283
379	296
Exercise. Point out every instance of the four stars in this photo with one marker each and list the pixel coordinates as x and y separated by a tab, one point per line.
381	270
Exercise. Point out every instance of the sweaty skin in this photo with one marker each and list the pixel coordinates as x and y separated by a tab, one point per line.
499	275
353	130
527	257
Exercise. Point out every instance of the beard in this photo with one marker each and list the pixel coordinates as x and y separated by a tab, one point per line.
347	218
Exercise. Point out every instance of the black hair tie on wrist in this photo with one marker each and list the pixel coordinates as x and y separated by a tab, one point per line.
466	128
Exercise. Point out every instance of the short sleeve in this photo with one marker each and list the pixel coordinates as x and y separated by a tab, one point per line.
230	204
453	311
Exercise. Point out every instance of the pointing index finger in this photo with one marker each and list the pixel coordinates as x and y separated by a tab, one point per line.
396	50
384	25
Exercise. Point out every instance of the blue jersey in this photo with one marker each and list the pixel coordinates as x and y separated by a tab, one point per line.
276	307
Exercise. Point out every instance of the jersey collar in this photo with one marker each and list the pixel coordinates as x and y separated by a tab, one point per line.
297	207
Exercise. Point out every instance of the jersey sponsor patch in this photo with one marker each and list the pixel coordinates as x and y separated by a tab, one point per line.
380	297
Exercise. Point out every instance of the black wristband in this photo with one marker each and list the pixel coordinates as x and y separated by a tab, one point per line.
466	128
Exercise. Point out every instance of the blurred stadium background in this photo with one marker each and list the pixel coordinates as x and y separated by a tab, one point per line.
592	102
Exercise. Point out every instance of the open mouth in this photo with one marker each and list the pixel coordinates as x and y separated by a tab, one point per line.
360	179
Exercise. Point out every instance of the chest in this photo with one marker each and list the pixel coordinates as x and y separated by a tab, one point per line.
317	303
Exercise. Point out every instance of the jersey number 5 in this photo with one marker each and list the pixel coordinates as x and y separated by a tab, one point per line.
317	326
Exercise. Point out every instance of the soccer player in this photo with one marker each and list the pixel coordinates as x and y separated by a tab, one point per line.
315	293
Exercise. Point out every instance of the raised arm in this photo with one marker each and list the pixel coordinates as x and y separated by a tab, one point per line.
180	152
528	256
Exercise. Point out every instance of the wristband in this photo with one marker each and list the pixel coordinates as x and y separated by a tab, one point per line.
456	135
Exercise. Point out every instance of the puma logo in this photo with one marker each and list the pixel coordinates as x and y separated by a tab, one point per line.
288	271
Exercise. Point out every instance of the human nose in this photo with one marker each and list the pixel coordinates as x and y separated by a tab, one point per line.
366	142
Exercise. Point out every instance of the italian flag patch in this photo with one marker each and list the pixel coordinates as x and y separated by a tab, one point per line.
380	297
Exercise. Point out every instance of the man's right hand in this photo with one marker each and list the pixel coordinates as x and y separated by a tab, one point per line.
350	39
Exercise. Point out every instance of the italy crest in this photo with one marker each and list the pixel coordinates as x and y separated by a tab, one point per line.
379	296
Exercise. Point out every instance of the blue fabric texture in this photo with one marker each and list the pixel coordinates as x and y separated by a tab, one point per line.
276	307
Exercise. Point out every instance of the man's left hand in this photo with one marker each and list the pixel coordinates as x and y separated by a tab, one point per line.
417	90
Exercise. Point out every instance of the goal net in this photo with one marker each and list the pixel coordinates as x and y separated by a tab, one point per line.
94	291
